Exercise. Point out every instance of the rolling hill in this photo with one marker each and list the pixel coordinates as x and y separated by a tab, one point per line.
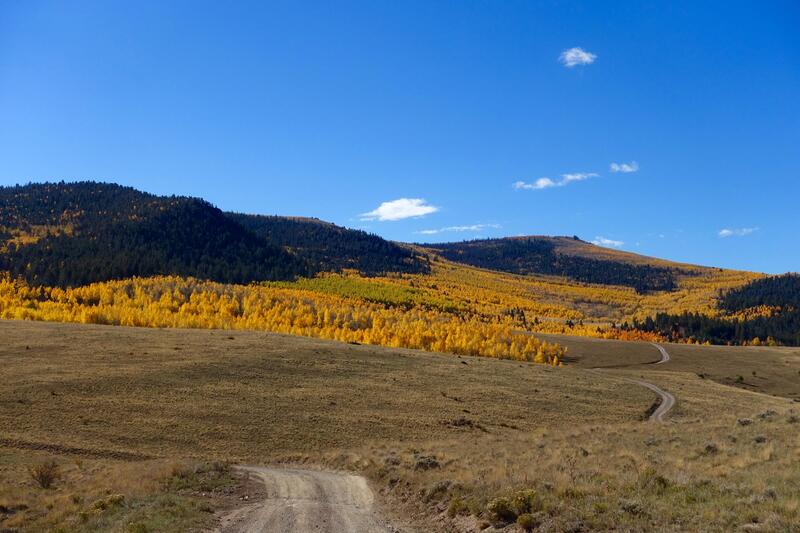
564	256
71	234
329	248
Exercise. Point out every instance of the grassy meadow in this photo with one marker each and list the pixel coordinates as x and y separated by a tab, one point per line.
771	370
114	398
144	423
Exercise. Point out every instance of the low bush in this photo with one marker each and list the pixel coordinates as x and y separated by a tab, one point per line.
457	507
508	509
45	474
527	521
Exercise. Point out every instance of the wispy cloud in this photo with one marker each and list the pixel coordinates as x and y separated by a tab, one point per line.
625	168
578	176
576	56
541	183
608	243
546	183
736	232
400	209
473	227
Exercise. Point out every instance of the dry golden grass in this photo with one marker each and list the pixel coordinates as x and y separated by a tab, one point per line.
251	395
771	370
688	476
128	403
97	495
701	471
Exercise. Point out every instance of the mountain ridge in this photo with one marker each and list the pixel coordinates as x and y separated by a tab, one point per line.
68	234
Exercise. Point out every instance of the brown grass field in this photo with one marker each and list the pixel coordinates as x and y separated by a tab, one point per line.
774	371
142	424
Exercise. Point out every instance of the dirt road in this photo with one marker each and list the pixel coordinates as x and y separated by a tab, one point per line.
664	353
305	501
310	501
667	399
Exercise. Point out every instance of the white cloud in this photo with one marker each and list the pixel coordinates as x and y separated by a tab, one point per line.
473	227
608	243
578	176
400	209
546	183
576	56
541	183
625	168
736	232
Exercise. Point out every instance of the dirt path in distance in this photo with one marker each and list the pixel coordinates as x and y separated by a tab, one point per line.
667	400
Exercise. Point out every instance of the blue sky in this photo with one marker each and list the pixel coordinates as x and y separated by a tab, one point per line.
481	118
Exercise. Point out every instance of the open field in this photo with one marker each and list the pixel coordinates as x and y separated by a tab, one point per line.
108	396
138	412
248	396
771	370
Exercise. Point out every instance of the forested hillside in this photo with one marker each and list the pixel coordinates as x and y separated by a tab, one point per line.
774	291
70	234
329	247
765	310
539	255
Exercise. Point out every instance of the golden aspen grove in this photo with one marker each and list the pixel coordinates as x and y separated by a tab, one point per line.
454	309
103	253
189	303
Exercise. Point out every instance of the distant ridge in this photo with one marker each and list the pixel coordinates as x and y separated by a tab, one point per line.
329	247
565	256
69	234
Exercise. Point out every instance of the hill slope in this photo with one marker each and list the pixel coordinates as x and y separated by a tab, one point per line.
564	256
764	310
329	247
70	234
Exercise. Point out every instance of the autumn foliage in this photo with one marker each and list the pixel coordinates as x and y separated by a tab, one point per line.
190	303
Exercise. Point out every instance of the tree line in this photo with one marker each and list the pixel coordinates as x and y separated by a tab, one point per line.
71	234
766	310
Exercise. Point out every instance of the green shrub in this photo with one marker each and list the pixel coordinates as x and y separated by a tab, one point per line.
651	479
109	501
527	521
457	507
501	510
507	509
138	527
524	501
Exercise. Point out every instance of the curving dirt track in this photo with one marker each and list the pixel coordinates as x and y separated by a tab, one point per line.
664	354
667	399
306	501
